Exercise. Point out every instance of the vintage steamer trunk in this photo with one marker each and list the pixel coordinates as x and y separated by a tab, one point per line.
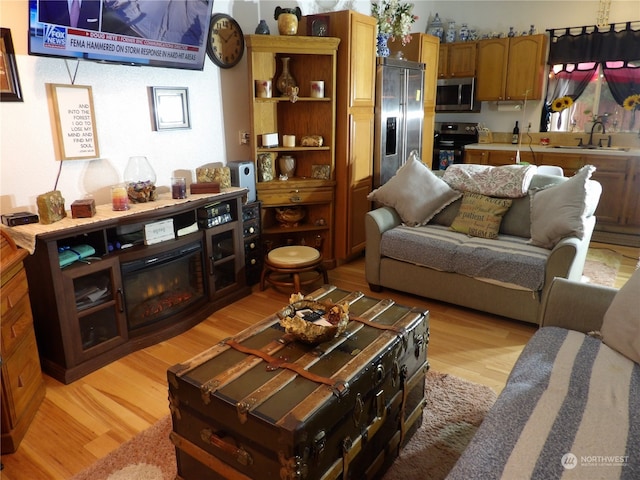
287	410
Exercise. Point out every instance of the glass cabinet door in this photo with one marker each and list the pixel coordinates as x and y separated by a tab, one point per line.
225	260
95	306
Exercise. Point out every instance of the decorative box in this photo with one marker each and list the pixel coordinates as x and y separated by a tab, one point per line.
85	208
222	175
205	187
51	207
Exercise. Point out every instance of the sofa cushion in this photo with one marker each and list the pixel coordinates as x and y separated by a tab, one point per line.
559	211
506	181
480	216
415	193
621	323
509	260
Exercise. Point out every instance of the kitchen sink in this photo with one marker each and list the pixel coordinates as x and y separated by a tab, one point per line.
590	147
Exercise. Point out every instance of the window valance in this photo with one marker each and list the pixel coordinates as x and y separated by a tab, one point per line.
615	42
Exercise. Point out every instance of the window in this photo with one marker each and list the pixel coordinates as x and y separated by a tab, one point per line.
596	100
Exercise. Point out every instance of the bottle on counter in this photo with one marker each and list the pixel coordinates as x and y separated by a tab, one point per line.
516	134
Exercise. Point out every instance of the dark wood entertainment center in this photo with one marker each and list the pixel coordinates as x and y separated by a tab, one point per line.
131	293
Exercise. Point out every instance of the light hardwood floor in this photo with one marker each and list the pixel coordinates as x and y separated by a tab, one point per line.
83	421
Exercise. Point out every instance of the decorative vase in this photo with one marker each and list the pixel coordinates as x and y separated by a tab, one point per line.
435	28
463	35
140	179
451	32
382	49
287	166
285	81
262	28
287	20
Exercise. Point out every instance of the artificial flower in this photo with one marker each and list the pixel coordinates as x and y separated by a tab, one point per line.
632	102
561	103
394	18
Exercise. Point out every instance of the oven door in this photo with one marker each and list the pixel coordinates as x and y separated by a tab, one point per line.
446	154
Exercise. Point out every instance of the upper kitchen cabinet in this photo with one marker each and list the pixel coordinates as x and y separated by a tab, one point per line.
355	103
511	68
426	49
456	60
293	138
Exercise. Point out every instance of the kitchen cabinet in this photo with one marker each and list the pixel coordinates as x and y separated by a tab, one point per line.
355	103
426	49
23	387
307	193
511	68
618	211
134	290
456	60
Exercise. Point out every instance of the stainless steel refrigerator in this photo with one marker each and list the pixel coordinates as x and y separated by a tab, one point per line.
399	114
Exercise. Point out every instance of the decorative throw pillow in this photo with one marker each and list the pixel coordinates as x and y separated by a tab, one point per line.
415	192
506	181
621	323
560	211
480	216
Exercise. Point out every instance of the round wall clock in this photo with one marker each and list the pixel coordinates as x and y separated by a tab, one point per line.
226	41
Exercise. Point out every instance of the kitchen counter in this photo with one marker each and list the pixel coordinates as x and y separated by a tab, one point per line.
508	147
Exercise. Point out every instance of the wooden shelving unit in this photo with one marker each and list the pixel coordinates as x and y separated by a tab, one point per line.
311	58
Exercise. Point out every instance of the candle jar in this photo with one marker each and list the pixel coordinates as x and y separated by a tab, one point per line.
178	187
119	198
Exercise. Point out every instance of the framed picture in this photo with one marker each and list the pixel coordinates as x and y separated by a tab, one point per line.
9	81
75	121
170	107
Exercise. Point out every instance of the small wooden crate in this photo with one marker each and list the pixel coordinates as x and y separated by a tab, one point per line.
85	208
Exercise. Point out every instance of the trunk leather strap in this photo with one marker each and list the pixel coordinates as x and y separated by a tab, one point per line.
275	363
379	326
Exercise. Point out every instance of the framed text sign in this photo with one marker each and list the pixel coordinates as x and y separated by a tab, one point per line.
76	136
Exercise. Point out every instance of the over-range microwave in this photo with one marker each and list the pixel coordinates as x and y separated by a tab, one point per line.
456	95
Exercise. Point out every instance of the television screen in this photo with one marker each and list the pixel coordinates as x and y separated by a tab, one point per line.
161	33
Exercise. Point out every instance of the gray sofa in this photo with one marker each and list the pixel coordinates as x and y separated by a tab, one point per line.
403	266
570	405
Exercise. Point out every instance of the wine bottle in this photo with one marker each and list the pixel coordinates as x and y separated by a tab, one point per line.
516	134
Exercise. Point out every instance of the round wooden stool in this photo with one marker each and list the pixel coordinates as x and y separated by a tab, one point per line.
283	266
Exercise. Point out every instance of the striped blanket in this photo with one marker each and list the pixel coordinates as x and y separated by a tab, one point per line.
570	410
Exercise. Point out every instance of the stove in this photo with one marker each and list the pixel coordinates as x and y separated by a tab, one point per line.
449	141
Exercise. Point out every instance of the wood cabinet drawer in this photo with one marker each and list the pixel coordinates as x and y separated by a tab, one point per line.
22	376
13	291
296	196
14	324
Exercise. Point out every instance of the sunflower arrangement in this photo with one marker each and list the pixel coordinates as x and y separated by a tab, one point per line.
632	102
394	18
561	103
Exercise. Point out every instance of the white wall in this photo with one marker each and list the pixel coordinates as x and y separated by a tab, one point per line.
218	98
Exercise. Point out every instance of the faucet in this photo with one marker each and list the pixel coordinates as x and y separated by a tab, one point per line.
593	127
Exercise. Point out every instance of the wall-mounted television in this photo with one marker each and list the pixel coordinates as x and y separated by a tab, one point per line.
160	33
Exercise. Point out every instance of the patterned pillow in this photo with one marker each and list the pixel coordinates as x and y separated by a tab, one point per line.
480	216
507	181
415	192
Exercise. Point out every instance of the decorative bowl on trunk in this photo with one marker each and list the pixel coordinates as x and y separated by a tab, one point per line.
314	322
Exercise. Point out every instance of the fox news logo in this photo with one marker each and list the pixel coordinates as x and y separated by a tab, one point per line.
55	37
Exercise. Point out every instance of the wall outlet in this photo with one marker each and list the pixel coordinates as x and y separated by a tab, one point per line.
244	137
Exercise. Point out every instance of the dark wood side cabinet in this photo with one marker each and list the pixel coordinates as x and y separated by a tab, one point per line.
137	288
253	251
23	387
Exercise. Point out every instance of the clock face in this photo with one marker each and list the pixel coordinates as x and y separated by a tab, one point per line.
226	41
319	28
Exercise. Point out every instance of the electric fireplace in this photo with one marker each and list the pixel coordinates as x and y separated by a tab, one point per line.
160	286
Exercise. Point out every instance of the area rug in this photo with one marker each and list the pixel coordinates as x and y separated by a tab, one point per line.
455	408
601	267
